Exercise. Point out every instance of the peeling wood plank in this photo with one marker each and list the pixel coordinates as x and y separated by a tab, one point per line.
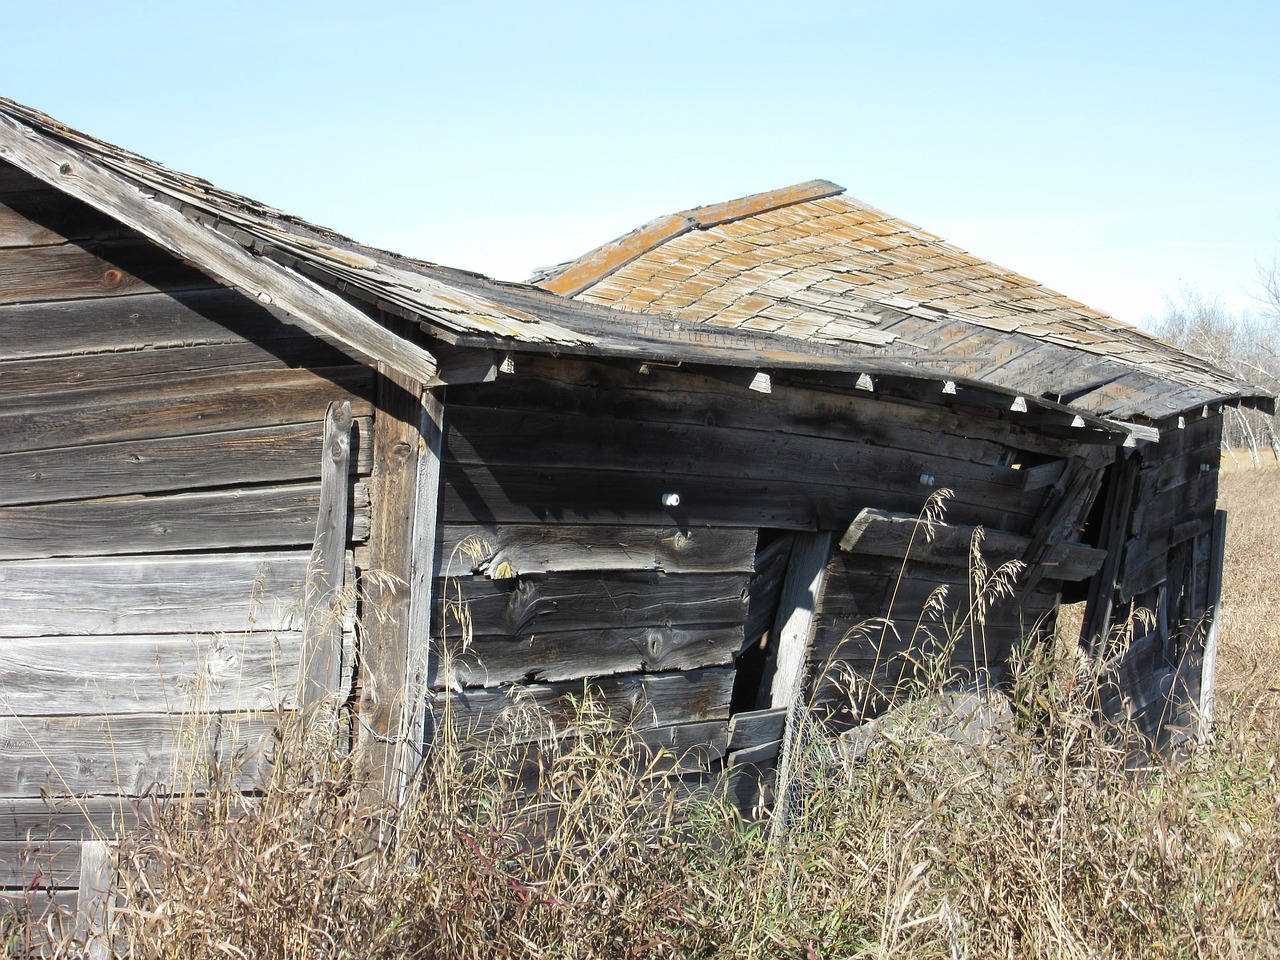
654	699
159	594
582	601
580	654
267	454
252	517
500	550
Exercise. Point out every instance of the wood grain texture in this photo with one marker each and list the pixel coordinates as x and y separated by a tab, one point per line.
323	603
556	494
93	676
71	271
71	818
508	438
160	594
50	864
397	440
264	454
208	315
28	379
503	550
578	654
798	607
811	409
253	517
557	602
179	407
43	217
133	754
654	699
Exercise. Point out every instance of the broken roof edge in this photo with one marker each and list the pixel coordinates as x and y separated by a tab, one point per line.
572	277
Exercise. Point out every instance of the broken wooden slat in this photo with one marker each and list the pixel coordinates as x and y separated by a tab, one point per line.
548	656
884	534
797	609
654	699
756	727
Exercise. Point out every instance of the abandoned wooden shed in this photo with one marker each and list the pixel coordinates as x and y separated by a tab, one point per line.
246	462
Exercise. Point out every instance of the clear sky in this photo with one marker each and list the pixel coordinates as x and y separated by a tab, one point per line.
1113	150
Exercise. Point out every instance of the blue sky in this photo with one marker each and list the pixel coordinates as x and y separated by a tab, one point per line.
1115	151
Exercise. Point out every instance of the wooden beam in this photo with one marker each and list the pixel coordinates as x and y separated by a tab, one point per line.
797	610
422	547
321	310
323	613
94	899
1209	668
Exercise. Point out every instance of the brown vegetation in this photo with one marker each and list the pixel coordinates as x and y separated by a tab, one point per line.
1037	838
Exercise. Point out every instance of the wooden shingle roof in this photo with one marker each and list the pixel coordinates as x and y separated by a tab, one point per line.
810	263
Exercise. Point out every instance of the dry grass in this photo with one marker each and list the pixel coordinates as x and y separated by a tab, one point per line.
1249	639
1035	838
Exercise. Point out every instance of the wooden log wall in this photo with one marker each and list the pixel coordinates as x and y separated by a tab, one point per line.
565	558
160	468
1164	565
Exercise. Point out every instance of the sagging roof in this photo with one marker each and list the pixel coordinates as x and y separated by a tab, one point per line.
813	264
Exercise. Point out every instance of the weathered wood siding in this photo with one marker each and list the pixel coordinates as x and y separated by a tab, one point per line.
1161	533
562	547
160	453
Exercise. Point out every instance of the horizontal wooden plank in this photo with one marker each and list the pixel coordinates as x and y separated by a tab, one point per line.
39	217
884	534
265	454
134	754
179	407
513	437
52	863
526	494
73	818
548	657
252	517
683	396
68	676
505	550
138	322
30	379
650	699
71	271
557	602
160	594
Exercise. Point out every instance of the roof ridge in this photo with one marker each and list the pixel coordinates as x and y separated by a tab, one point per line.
570	279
